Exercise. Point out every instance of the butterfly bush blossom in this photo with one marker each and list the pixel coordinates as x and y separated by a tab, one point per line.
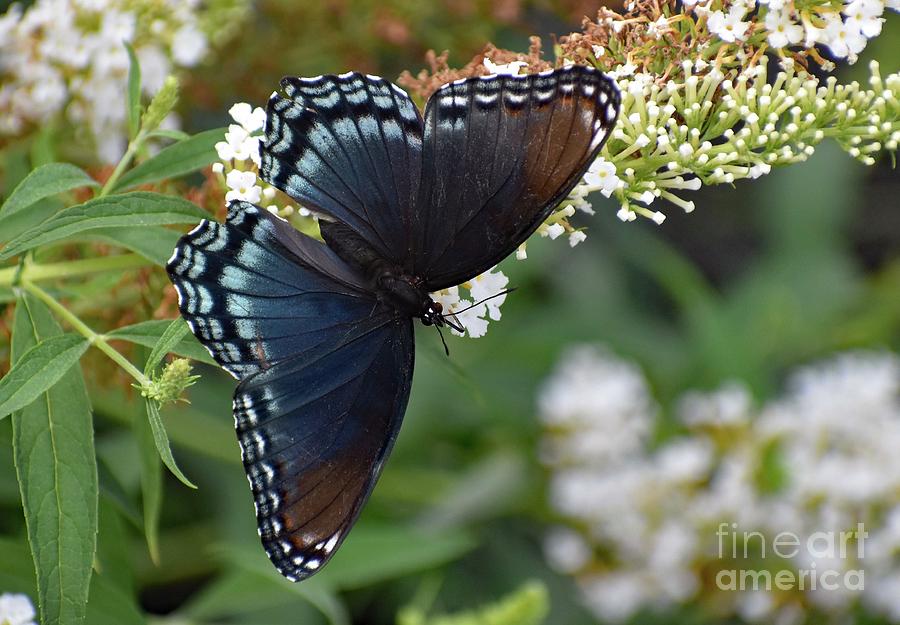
642	522
66	57
16	609
238	171
713	91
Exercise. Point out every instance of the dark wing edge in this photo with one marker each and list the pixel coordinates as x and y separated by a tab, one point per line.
314	437
256	291
350	147
500	153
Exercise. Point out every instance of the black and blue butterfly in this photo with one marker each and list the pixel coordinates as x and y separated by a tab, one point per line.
320	335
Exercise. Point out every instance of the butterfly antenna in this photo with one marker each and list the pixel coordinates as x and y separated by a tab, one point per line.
503	292
441	334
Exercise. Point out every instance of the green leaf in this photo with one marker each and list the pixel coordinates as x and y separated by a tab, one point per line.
528	605
148	333
25	220
374	554
316	591
45	181
134	92
161	440
151	483
171	336
135	210
154	243
175	160
53	444
38	369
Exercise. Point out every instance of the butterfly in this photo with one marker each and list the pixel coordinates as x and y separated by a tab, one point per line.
320	335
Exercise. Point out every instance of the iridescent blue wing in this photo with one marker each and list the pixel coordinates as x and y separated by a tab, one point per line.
500	152
256	291
325	373
314	435
350	147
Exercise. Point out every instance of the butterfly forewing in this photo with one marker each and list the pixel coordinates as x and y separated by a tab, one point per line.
349	147
500	152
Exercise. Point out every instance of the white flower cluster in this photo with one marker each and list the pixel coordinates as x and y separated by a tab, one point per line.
67	56
484	306
644	522
845	28
239	153
709	129
16	609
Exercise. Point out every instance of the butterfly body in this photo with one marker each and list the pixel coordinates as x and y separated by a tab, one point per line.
320	334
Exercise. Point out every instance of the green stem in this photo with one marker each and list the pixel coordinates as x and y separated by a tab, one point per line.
68	269
133	146
98	340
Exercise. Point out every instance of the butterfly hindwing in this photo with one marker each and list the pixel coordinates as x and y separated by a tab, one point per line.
350	147
500	152
314	435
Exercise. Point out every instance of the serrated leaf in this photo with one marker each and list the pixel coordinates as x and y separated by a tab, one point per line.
43	182
175	160
38	369
134	92
134	210
53	444
148	333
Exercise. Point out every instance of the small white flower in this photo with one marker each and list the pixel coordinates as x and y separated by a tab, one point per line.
488	285
472	318
521	253
238	145
658	28
251	119
602	175
242	185
843	38
16	609
728	27
865	15
553	230
783	31
759	170
509	69
576	237
218	168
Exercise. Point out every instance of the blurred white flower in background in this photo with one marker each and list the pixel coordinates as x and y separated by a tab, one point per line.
643	518
16	609
68	57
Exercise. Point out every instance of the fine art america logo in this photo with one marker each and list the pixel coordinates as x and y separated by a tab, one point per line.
825	560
